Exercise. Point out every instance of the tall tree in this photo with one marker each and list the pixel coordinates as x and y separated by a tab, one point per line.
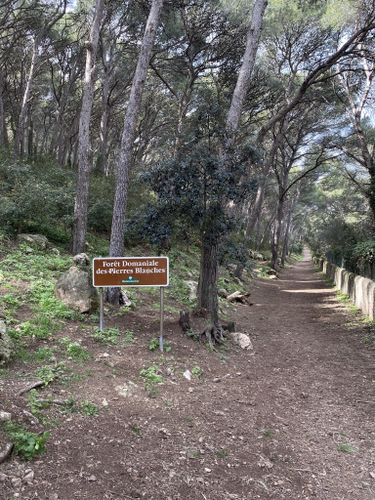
207	290
116	247
84	160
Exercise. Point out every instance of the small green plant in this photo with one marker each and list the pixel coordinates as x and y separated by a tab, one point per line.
346	448
267	433
222	453
75	350
89	409
47	374
27	445
193	335
197	371
152	378
155	345
136	429
108	336
43	354
36	405
152	374
128	337
70	405
40	327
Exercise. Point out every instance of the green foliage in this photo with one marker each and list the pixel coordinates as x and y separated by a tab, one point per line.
75	350
128	337
43	354
108	336
48	374
89	409
365	250
40	327
197	371
346	448
34	198
152	374
35	404
27	445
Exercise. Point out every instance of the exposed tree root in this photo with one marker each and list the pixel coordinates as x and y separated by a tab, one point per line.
35	385
215	335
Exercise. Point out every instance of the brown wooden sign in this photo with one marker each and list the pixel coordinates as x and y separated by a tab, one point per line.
130	271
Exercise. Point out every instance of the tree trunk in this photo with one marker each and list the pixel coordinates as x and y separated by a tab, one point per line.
243	80
83	180
101	164
116	247
3	131
208	275
207	286
19	142
285	251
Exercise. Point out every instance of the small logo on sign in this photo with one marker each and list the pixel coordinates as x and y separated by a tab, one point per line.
130	280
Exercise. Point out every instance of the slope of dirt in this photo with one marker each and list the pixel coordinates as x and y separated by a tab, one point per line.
293	419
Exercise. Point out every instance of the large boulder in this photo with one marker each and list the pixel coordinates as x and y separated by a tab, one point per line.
6	345
74	288
36	240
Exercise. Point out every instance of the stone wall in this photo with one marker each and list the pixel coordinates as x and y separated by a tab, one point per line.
360	290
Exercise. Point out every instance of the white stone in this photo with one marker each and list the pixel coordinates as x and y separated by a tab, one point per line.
242	340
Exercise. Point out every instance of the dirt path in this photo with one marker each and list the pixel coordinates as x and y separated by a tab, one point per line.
287	421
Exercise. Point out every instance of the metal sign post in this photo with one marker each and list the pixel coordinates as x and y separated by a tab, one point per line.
101	312
161	341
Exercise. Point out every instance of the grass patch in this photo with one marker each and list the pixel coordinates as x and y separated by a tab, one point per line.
27	445
74	350
89	409
346	448
108	336
48	374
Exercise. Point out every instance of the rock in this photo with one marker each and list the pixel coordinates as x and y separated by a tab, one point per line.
126	390
36	240
75	290
272	272
81	260
265	463
92	478
5	452
187	375
222	293
6	345
242	298
16	482
5	416
242	340
29	476
193	287
3	477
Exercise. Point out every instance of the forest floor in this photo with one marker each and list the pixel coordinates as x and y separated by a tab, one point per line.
291	419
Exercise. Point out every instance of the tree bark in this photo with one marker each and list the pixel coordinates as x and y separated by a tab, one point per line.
116	247
207	286
84	167
243	80
19	142
3	131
